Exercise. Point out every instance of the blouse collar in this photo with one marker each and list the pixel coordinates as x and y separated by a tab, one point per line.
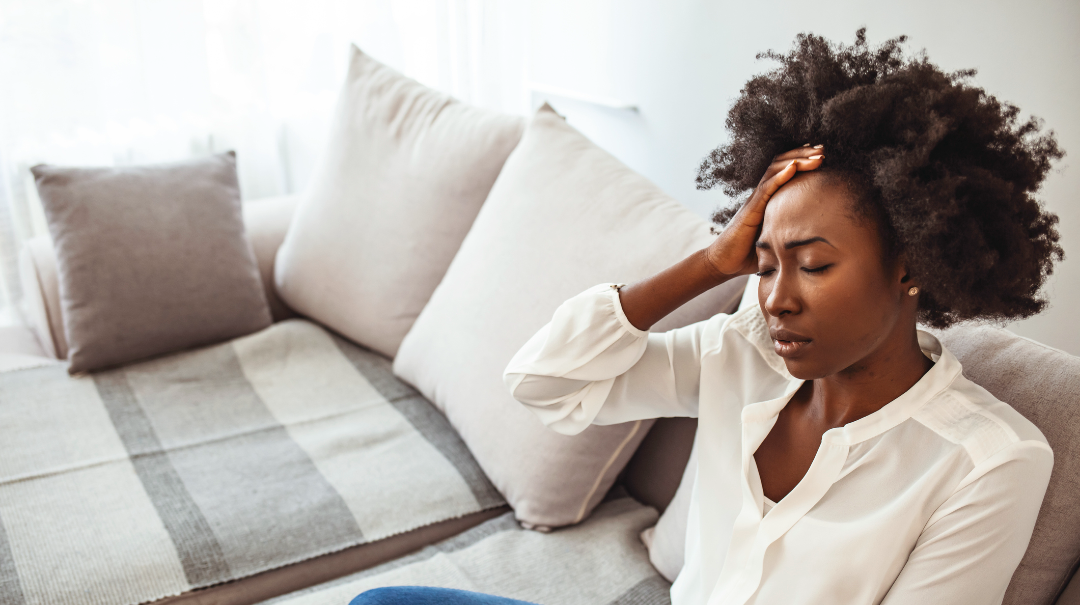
751	324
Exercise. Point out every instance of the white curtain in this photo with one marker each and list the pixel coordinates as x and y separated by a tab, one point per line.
119	82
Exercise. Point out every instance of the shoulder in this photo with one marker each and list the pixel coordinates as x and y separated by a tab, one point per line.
989	430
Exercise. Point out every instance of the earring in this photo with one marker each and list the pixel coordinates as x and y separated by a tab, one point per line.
913	290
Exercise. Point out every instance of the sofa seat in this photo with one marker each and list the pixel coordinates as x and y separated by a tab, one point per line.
203	467
600	561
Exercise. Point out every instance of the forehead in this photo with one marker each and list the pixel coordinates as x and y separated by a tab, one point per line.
812	205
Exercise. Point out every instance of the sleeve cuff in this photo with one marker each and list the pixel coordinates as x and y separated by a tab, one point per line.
616	302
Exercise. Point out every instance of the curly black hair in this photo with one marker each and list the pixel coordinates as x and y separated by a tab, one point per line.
947	170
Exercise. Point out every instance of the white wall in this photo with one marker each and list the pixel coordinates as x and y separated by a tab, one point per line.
682	62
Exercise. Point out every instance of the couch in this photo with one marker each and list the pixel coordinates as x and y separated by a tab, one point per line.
296	465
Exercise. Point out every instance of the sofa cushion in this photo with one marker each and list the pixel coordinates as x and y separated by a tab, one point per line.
1041	383
400	182
666	540
210	465
600	561
151	259
564	215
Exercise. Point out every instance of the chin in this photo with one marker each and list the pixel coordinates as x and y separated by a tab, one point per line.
805	369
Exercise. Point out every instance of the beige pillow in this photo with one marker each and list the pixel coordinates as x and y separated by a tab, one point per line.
563	216
1038	381
402	178
150	259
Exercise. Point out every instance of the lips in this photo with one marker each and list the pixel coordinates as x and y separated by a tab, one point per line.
788	344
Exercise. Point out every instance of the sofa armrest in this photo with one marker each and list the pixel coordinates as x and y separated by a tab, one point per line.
41	296
19	348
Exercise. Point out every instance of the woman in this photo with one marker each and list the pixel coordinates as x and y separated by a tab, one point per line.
843	457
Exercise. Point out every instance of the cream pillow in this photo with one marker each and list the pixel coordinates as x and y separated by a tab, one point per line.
398	186
564	215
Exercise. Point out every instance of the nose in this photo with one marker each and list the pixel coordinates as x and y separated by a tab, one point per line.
780	294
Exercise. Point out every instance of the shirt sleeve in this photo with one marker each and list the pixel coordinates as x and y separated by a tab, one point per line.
969	553
590	365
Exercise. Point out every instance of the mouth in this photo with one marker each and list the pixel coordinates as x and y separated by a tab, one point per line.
788	344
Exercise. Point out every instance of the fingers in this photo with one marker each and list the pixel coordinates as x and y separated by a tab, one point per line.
806	158
810	163
771	185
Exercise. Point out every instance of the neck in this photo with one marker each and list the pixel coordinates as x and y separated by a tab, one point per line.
873	382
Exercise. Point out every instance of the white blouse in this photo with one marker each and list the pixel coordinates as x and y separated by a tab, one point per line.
931	499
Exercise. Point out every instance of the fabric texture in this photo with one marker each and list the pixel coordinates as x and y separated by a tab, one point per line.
194	469
400	182
599	561
930	499
563	214
1042	384
150	259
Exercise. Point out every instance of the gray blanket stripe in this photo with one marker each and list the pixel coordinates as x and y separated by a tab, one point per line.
427	420
239	464
653	590
10	589
198	548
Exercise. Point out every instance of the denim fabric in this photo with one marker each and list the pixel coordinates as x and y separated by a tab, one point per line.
426	595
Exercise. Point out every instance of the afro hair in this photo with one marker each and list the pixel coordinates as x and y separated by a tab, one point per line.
948	167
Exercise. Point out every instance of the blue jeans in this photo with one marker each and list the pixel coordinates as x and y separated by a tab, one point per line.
426	595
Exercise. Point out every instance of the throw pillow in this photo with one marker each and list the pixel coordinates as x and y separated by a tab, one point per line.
399	184
563	215
151	259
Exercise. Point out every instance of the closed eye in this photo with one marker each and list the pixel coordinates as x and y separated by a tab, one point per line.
817	269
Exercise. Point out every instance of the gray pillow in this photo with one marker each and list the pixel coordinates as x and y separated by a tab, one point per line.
151	259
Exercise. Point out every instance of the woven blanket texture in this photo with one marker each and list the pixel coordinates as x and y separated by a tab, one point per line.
600	561
153	479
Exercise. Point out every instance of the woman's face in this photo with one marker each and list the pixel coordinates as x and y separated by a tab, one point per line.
826	293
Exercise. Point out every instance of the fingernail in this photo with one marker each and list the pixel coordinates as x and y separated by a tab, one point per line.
815	157
816	146
806	145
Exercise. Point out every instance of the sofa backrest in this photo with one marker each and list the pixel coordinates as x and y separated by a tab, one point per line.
266	222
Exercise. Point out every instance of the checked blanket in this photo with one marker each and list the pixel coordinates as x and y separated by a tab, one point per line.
153	479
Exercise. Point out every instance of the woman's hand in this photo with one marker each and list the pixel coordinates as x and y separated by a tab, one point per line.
732	253
649	300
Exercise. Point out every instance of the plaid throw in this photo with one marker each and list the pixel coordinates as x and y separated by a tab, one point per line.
150	480
598	562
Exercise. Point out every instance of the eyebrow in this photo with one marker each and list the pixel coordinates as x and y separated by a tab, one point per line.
794	244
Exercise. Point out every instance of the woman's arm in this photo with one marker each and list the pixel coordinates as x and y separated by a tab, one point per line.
596	362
